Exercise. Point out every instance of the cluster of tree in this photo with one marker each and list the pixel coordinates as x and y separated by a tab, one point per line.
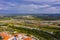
48	17
36	33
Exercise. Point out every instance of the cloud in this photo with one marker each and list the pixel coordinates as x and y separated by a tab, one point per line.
41	0
30	6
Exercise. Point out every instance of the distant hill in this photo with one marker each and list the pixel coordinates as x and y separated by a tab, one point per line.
38	16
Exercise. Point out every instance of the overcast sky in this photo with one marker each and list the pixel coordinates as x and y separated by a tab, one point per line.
29	6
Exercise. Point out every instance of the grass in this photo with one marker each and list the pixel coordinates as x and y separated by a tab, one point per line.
36	33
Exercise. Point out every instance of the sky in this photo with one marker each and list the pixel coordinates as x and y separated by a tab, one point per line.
29	6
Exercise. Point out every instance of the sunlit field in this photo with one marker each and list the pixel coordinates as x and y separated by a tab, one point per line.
32	27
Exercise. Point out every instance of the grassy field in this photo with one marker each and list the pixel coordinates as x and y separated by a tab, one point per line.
33	26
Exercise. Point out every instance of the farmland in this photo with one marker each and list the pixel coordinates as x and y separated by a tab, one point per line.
35	25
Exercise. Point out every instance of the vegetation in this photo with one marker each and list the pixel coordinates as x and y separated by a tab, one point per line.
35	25
36	33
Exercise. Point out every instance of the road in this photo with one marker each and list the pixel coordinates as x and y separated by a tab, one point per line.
38	32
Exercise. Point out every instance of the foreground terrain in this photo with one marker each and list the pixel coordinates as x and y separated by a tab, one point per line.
34	25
